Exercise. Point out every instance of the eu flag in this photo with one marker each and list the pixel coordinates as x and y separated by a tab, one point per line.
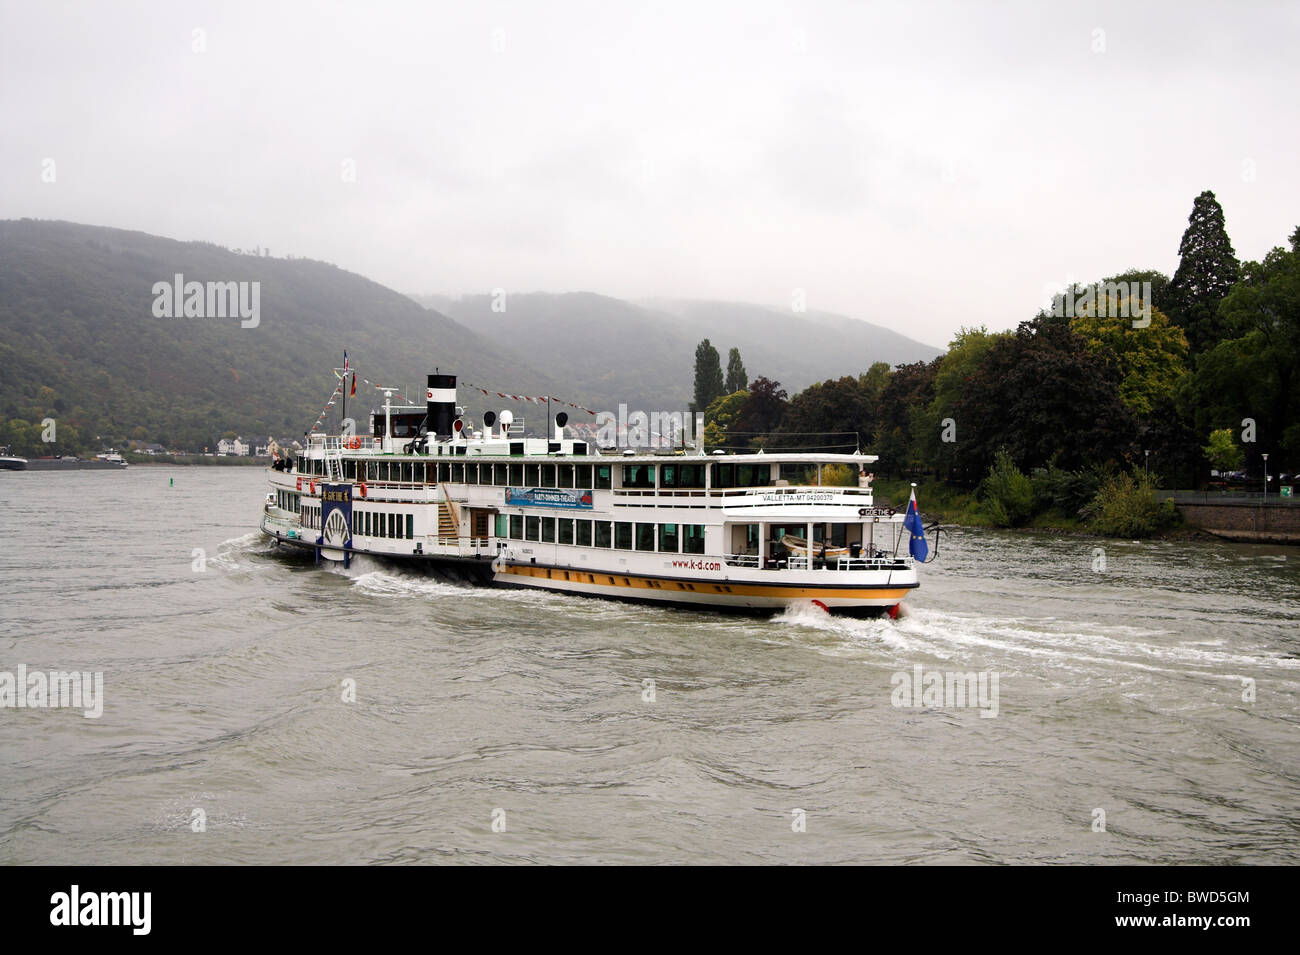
917	546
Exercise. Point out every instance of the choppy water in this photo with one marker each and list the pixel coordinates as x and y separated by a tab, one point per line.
1119	690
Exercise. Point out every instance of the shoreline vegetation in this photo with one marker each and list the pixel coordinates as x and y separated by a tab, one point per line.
1084	417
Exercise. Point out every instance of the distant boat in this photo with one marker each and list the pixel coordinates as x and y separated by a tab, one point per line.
11	462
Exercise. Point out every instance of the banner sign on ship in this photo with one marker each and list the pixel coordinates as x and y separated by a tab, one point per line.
572	498
336	515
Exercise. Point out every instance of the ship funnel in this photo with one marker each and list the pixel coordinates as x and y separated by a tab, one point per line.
489	419
441	398
506	418
561	420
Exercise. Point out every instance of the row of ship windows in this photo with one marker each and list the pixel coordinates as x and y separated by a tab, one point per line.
620	535
369	523
383	524
599	476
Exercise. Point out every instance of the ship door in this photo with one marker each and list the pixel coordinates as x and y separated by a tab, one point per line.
480	522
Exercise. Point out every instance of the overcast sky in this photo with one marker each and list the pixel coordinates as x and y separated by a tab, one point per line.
920	165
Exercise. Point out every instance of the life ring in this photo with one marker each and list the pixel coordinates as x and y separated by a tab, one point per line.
354	444
313	488
363	488
299	487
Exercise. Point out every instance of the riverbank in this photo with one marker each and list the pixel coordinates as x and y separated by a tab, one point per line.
947	504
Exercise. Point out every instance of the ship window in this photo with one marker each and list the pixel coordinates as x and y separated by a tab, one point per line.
692	538
668	538
724	475
565	531
516	475
582	475
443	472
623	535
753	475
516	527
502	524
690	475
471	473
645	537
603	537
532	528
582	533
531	477
639	476
668	475
457	473
564	475
548	476
603	477
499	476
392	525
548	530
410	527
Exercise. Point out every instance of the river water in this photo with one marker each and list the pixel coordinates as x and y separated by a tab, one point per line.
1161	689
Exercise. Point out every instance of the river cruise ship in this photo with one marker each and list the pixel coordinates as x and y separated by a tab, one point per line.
753	531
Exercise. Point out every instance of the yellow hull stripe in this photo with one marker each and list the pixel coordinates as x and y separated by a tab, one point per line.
704	586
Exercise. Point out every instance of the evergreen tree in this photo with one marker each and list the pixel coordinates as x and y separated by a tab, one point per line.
1207	270
737	379
708	376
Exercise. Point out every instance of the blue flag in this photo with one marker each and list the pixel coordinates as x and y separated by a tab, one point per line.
917	546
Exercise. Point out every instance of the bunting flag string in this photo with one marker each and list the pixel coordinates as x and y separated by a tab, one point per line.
534	399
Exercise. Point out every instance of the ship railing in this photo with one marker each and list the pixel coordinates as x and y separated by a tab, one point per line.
741	560
466	546
741	491
874	563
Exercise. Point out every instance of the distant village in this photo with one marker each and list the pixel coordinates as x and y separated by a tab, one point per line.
226	448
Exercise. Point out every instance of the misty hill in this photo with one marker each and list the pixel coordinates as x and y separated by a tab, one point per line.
644	353
79	341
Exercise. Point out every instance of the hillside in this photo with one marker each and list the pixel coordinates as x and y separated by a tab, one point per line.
79	341
643	353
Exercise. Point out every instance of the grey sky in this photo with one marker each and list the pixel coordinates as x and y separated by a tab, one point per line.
919	165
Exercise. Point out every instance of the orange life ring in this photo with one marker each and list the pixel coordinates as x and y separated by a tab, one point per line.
313	487
354	444
363	488
299	487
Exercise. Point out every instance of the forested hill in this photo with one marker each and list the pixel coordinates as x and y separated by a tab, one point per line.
80	343
640	352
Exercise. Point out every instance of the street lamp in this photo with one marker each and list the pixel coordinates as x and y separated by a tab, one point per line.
1266	476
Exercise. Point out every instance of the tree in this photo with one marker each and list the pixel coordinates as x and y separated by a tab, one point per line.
1223	452
935	425
908	394
762	411
1042	395
1264	307
830	415
720	420
1152	357
1207	270
737	380
708	376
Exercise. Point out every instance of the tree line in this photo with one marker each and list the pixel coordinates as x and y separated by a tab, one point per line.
1137	373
